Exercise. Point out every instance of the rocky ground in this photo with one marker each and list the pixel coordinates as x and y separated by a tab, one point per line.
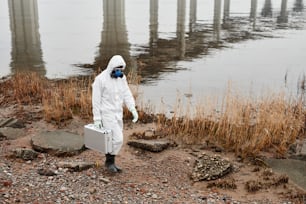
147	177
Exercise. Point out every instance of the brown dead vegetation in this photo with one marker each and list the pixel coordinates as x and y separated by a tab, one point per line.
241	125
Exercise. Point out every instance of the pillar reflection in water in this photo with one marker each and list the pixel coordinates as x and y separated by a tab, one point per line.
153	24
253	12
114	39
226	10
217	20
283	17
180	29
267	9
298	6
226	14
26	53
192	15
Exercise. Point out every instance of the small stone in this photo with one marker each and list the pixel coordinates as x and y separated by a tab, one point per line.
63	189
92	190
76	165
104	180
165	181
46	172
7	183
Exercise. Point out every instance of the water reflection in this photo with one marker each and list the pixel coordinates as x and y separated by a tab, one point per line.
153	25
194	34
226	13
160	51
267	9
26	52
192	15
283	17
114	38
180	29
201	37
217	20
253	13
298	6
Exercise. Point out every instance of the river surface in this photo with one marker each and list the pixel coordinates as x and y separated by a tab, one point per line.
185	48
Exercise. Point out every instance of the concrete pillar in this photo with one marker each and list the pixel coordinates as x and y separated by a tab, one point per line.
26	51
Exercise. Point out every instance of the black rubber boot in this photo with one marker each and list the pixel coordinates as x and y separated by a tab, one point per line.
119	170
110	164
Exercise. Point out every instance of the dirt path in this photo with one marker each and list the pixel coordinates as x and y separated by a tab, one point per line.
146	178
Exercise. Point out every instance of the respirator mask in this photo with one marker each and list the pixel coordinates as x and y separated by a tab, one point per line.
117	72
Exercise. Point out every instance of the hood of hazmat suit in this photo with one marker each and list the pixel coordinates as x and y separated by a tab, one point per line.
109	94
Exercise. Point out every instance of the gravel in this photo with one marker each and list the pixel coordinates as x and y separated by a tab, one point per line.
20	182
147	177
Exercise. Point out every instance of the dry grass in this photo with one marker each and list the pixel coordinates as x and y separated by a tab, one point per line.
243	125
23	88
267	182
68	98
60	99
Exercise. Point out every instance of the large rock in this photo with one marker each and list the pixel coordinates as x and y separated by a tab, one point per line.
150	145
10	133
2	137
210	168
58	142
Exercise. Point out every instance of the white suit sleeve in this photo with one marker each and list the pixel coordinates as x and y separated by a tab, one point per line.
96	99
128	97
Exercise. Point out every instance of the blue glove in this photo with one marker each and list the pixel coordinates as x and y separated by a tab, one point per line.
98	124
135	115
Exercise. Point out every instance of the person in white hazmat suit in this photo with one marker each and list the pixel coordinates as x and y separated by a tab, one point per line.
110	91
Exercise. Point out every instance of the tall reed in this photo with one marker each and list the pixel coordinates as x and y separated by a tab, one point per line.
23	88
66	99
243	125
60	99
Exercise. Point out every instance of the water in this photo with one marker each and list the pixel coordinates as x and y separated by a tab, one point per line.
188	47
295	169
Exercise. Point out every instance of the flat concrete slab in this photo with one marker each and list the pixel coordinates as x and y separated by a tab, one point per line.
59	143
9	133
11	122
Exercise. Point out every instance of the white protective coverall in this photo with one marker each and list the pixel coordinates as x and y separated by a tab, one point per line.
108	96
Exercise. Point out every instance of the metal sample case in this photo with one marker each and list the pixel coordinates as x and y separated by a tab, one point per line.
98	139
